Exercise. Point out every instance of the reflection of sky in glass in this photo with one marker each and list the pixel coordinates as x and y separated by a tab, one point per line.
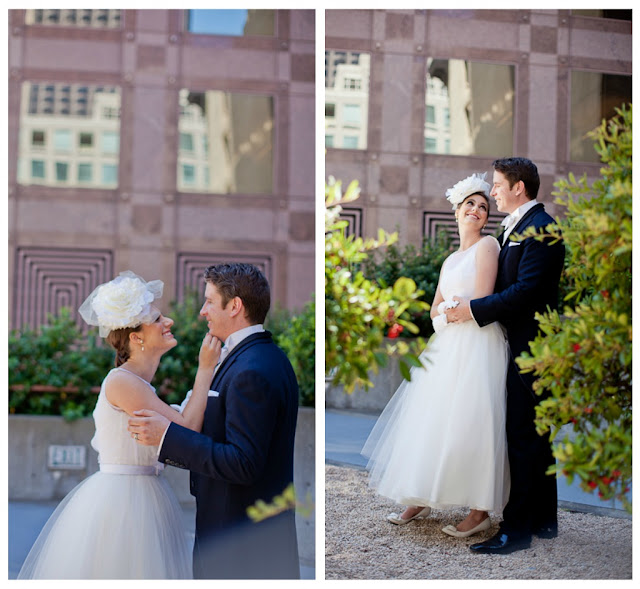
218	22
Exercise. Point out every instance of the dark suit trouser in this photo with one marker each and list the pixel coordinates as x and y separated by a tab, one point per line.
533	499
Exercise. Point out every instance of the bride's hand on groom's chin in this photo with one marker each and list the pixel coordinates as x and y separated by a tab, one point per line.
148	427
209	352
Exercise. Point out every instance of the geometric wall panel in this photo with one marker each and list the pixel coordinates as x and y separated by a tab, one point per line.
47	279
354	217
435	221
190	268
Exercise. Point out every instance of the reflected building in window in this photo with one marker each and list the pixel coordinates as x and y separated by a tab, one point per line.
468	108
69	135
346	99
107	18
226	143
594	97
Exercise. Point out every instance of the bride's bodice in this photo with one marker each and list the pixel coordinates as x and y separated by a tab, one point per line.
459	273
112	440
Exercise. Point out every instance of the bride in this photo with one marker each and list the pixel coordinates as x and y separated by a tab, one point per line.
441	440
124	522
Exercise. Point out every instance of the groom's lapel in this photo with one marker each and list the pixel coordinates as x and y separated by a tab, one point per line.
246	343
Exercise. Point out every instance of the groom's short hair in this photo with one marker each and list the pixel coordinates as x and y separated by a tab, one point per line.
245	281
515	169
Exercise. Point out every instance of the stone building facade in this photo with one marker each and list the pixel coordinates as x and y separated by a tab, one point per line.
449	91
137	143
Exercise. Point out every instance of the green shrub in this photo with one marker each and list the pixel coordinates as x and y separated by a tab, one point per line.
59	355
296	335
583	357
56	355
358	310
422	265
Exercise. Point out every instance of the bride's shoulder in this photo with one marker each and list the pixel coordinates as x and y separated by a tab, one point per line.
490	241
489	245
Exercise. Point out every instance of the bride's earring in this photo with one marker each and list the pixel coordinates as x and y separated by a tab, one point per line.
142	344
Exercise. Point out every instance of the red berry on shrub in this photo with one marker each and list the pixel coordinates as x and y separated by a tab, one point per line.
576	347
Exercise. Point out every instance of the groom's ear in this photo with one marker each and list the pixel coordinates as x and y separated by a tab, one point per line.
237	306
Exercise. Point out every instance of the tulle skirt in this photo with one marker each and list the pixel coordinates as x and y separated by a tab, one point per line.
113	526
441	440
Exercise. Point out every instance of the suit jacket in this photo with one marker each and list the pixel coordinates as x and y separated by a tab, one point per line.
527	282
243	454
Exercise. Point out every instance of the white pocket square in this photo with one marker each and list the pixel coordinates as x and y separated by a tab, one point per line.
214	394
514	243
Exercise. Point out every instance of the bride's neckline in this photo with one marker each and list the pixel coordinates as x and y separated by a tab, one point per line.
136	375
461	251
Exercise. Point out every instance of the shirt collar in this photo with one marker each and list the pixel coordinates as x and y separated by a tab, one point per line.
237	336
514	217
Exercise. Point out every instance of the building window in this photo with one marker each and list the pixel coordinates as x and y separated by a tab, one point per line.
236	144
100	19
350	142
110	142
85	140
85	173
62	172
351	114
109	174
473	107
186	141
63	122
430	144
346	97
328	140
352	84
62	140
37	138
236	23
431	114
188	174
594	97
37	169
109	112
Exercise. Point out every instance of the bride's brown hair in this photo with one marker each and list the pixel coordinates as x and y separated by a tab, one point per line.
118	339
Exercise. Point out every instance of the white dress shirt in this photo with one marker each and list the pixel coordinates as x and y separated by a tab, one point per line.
510	221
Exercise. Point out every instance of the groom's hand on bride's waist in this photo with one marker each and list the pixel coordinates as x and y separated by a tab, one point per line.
148	427
461	313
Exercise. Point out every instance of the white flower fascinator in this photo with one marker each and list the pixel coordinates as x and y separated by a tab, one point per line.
123	302
470	185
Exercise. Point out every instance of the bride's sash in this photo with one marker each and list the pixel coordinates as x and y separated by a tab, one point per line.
132	468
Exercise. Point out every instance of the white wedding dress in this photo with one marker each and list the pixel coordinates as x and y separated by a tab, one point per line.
123	522
441	440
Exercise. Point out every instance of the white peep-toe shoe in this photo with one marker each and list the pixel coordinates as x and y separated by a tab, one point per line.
485	524
395	518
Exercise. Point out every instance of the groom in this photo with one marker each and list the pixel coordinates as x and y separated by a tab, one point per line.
245	450
527	282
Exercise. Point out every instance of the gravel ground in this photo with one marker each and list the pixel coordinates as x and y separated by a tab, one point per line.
361	544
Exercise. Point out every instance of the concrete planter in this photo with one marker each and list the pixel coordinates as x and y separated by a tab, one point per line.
31	479
385	383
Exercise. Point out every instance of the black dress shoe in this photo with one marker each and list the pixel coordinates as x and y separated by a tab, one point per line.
550	531
502	543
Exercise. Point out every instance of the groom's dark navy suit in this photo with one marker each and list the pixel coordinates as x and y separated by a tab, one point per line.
527	282
244	454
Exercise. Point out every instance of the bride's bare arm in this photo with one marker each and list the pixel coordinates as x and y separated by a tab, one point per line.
437	299
486	267
131	394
